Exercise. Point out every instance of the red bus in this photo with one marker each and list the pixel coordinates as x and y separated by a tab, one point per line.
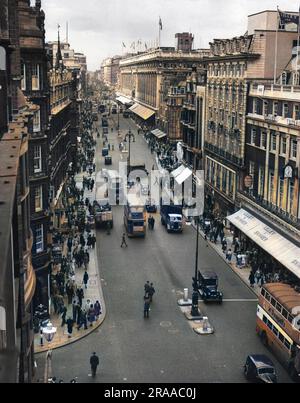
278	324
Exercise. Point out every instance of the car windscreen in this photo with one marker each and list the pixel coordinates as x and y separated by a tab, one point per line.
266	370
210	281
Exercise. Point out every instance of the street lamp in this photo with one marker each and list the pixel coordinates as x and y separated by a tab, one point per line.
118	127
130	136
49	333
195	310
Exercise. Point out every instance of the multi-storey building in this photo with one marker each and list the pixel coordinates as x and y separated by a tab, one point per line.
193	118
147	78
233	64
34	85
17	276
110	69
62	137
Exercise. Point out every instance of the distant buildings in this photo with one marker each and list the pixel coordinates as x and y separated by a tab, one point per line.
110	70
155	81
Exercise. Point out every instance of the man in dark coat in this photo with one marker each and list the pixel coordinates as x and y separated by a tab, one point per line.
151	292
146	306
94	361
70	327
85	279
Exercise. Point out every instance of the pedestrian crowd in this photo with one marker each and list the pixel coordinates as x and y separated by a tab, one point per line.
73	242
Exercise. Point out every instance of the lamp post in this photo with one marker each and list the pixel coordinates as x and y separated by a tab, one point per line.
118	127
130	136
195	310
49	333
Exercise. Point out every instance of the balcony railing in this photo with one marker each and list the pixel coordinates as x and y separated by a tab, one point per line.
225	154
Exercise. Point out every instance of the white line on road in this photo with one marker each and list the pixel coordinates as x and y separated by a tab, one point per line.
236	300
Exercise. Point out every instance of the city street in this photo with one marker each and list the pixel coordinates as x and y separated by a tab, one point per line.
162	348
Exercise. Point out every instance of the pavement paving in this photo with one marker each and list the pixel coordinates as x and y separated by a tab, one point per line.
163	348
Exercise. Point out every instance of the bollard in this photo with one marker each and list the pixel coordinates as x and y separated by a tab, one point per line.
205	323
185	294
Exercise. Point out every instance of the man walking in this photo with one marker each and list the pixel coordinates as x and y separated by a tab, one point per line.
146	306
124	240
151	292
94	361
85	279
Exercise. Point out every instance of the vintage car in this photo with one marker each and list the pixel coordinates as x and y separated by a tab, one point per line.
260	369
208	286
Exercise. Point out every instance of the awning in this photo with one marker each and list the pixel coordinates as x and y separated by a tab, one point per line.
178	171
158	133
142	111
275	244
181	174
124	100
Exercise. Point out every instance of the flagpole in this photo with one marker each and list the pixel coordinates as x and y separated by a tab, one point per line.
298	44
276	47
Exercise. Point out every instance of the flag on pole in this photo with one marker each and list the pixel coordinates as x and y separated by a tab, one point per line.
146	47
124	46
287	18
160	24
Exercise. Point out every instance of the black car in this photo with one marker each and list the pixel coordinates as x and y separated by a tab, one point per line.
108	160
151	206
208	286
259	368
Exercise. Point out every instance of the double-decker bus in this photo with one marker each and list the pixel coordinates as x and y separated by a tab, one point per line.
135	216
278	324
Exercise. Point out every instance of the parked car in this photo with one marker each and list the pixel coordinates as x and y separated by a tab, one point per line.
259	368
208	286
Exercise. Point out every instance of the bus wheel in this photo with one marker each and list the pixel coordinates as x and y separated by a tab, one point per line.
264	338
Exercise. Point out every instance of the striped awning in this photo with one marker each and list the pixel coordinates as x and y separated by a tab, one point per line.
158	133
142	111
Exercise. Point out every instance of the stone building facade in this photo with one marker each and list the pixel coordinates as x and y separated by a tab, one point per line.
17	276
148	78
35	86
232	66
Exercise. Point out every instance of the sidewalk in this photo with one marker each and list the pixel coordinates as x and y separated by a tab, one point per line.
244	272
93	293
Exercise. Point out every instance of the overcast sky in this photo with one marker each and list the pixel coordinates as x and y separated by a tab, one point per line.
98	27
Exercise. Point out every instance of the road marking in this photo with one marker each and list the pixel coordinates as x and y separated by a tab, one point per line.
235	300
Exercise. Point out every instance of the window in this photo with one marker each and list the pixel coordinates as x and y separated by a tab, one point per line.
294	149
265	108
252	174
23	77
283	78
285	110
39	238
253	137
37	159
255	106
291	196
296	112
38	198
37	121
280	191
273	142
263	139
35	78
271	191
275	108
261	180
283	146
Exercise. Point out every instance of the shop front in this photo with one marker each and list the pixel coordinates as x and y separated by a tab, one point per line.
270	251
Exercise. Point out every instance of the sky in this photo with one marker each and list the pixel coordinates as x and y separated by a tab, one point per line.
98	27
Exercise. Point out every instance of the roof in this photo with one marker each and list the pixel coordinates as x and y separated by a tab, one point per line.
261	360
284	294
208	274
